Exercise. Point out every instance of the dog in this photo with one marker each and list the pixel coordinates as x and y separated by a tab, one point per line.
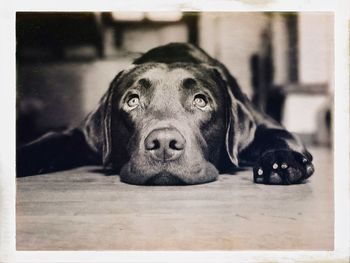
175	117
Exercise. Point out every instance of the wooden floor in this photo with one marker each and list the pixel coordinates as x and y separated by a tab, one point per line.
82	209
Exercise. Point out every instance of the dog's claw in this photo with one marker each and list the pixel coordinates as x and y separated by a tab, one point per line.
310	170
284	166
260	171
275	166
259	180
275	179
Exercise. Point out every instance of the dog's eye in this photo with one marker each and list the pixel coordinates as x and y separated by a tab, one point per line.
200	101
133	101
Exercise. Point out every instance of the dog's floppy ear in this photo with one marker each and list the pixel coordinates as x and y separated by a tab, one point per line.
240	124
97	125
240	128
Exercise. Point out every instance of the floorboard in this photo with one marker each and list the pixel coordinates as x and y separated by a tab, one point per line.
82	209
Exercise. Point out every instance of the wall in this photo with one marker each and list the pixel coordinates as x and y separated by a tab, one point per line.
141	38
233	38
316	48
316	67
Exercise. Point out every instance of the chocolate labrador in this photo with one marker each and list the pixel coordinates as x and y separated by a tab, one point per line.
176	116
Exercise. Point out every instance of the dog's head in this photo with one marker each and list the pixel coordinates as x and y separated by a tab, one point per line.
169	124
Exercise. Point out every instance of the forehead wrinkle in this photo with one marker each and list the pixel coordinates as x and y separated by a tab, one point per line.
201	75
171	77
166	97
153	74
208	85
167	75
137	73
166	79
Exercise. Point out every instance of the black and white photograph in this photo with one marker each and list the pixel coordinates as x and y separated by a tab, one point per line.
174	131
143	132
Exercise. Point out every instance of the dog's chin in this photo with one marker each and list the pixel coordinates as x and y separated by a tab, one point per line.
169	176
164	179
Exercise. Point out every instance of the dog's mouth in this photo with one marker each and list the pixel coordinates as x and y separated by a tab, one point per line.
179	175
164	179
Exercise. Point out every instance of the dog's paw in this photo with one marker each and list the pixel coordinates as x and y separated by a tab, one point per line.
283	167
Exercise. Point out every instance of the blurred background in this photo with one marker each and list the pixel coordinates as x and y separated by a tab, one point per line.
282	61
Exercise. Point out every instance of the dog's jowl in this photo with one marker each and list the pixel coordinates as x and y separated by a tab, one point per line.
176	117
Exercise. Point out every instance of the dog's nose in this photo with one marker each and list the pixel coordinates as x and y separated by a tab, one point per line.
165	144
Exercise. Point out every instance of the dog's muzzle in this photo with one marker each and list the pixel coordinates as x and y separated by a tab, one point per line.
166	156
165	144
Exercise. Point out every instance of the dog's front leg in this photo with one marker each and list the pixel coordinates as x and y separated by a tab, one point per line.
55	151
278	157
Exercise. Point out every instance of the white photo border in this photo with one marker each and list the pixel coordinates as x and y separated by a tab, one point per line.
340	9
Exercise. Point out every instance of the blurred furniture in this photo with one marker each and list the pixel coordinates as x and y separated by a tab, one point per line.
298	99
55	31
121	22
51	34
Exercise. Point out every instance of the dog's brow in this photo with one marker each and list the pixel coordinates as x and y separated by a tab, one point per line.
189	83
144	82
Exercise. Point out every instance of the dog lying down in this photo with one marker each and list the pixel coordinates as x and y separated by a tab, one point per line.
176	116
